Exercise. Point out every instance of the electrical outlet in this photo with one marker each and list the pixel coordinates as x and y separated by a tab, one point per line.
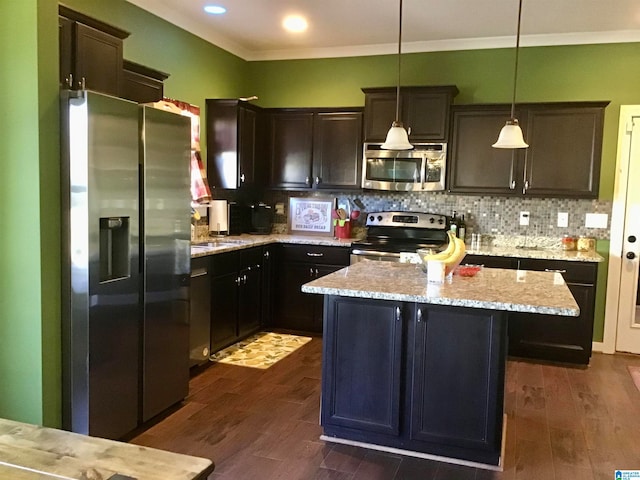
563	219
524	219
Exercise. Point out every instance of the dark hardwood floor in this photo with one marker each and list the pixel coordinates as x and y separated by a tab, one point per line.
563	423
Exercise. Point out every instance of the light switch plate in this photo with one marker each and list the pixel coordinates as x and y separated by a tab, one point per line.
563	219
596	220
524	219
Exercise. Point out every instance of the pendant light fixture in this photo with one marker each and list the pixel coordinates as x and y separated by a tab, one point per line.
397	137
511	134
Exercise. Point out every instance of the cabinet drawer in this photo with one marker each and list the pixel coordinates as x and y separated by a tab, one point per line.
315	254
200	266
490	261
573	272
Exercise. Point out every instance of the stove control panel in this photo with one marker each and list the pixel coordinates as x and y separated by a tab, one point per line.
431	221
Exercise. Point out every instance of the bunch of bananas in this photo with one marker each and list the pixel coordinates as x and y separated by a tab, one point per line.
450	256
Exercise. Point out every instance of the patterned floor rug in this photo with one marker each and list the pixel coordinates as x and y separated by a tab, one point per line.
635	374
260	350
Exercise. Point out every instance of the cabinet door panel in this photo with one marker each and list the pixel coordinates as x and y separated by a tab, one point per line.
426	115
477	167
249	307
247	143
291	146
224	308
361	375
380	111
564	153
294	309
456	369
337	150
98	60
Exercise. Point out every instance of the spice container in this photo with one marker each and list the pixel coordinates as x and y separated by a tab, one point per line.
568	242
586	244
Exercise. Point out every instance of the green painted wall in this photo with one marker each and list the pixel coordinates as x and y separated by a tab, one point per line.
29	244
570	73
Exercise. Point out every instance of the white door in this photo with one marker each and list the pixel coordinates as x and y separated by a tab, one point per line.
625	233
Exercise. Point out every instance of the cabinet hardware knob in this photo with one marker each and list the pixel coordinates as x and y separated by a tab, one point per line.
242	178
237	281
631	255
419	315
266	254
83	84
244	279
311	272
398	314
307	180
526	187
317	180
69	80
316	273
513	185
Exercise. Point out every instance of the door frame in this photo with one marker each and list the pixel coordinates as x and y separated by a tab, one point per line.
618	213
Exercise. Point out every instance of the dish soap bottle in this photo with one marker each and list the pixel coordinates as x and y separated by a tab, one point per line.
453	223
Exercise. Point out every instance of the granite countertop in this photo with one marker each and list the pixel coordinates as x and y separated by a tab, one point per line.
541	253
491	288
33	452
239	242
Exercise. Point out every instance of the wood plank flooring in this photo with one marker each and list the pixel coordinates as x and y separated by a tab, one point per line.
563	423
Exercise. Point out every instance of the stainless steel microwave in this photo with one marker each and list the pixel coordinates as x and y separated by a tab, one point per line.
421	169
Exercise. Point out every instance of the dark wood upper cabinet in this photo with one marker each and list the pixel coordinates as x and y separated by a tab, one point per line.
90	53
423	110
235	133
142	84
563	158
315	148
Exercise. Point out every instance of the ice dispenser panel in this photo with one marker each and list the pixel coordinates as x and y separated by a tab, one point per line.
114	249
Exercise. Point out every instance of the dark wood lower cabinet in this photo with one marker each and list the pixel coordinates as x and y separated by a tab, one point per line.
549	337
422	378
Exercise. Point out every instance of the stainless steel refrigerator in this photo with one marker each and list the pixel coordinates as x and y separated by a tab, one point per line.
126	262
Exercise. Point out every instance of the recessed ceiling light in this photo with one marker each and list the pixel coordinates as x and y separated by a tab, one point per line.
294	23
215	9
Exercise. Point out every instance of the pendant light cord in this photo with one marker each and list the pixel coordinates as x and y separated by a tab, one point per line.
399	51
515	71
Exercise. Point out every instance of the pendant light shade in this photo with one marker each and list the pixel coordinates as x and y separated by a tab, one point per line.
511	134
397	137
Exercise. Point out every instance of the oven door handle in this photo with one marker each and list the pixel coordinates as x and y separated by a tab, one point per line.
375	253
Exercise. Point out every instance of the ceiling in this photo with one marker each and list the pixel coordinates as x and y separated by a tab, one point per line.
251	29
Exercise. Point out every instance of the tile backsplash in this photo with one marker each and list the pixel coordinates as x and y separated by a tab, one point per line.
489	215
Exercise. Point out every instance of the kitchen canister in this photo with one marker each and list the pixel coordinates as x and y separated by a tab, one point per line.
586	244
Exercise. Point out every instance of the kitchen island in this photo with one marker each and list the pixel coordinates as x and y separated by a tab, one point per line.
31	452
418	368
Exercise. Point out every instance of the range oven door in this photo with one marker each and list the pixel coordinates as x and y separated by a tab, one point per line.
358	255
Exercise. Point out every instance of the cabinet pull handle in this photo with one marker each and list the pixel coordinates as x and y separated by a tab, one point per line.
526	187
307	181
316	273
311	272
554	271
419	315
242	178
237	281
408	131
266	255
199	272
244	279
312	254
317	180
513	185
398	314
83	84
69	80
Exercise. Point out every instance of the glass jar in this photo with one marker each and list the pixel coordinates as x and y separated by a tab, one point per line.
568	242
586	244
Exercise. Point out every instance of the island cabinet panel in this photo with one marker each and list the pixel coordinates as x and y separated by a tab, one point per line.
456	399
299	264
563	158
363	368
422	378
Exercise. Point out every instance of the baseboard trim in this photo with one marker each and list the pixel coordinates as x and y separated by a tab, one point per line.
427	456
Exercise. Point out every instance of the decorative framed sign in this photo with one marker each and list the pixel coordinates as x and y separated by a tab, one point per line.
311	216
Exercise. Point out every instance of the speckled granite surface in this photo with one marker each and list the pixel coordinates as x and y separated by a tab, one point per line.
542	253
491	288
61	454
238	242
